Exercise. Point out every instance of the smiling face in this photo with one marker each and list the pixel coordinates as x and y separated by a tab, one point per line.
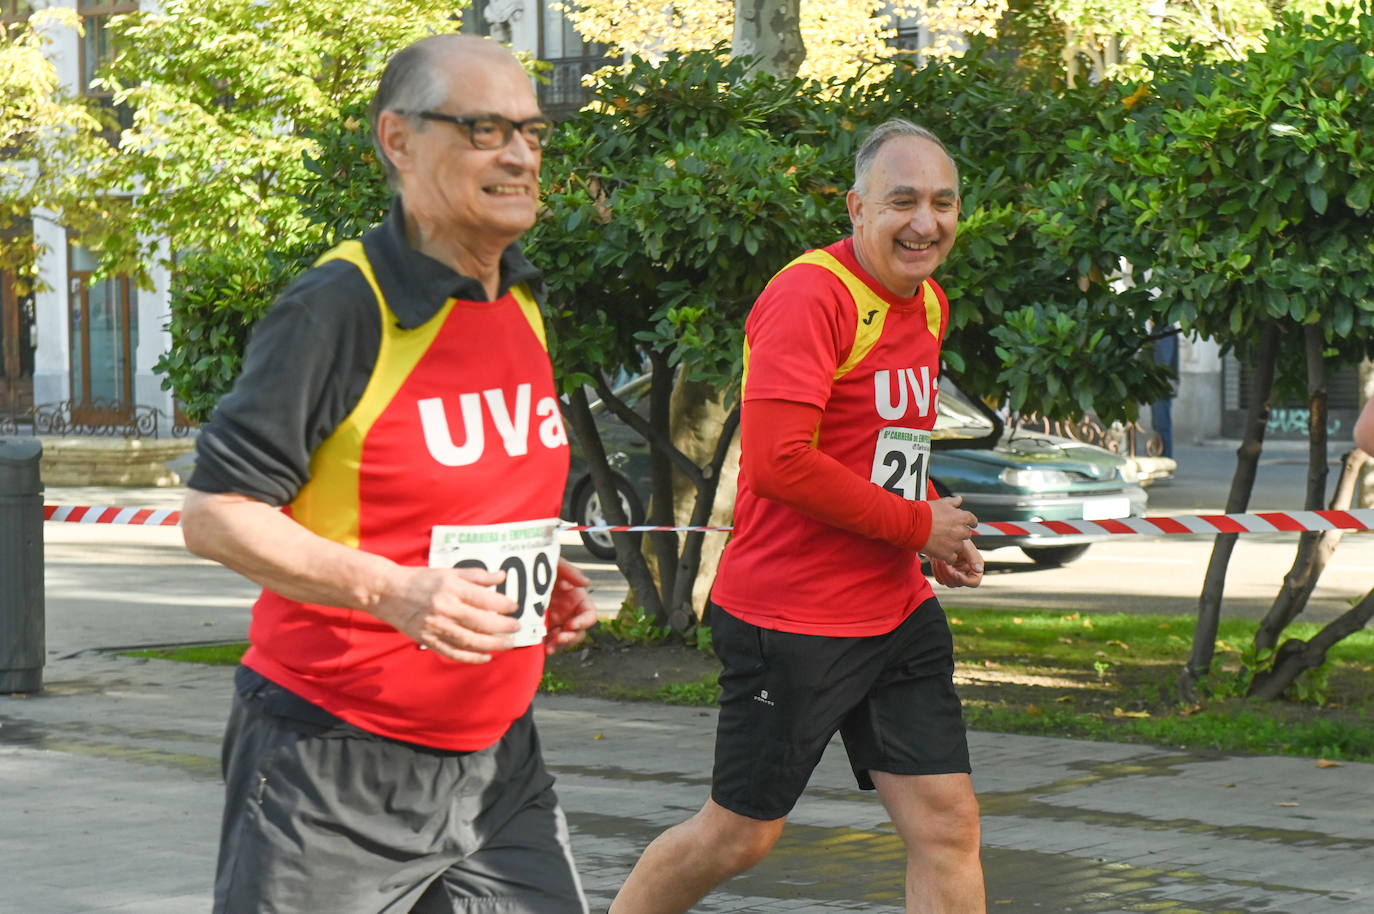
906	214
453	189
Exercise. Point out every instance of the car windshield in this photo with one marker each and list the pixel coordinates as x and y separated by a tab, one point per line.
956	417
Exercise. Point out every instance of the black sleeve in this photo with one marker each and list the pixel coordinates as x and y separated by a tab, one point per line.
306	367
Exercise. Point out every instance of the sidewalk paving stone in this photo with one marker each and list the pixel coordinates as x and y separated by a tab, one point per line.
110	791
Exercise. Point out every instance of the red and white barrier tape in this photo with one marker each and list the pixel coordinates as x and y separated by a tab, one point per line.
82	514
1261	522
642	528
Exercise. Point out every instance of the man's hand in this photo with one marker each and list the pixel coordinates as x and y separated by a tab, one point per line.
453	612
967	571
571	610
950	528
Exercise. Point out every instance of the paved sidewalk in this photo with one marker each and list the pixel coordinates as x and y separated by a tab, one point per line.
110	793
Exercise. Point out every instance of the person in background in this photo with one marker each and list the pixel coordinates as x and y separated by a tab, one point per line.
1364	428
1161	411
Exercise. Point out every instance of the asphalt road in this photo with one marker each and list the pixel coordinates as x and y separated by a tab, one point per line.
113	567
1164	574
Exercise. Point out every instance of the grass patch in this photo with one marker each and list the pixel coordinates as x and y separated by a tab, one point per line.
1113	677
1102	676
703	692
211	654
550	684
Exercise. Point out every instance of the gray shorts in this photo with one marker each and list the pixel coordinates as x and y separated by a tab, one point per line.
323	816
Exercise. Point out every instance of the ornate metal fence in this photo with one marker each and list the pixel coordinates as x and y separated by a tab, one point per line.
1128	440
98	418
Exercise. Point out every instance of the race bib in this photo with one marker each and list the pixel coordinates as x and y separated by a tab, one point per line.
901	462
527	551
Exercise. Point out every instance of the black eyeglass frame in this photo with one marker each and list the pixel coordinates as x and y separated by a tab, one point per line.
508	127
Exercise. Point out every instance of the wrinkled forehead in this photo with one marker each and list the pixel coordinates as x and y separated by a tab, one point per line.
487	83
912	165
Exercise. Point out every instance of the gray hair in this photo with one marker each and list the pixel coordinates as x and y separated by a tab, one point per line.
412	81
891	129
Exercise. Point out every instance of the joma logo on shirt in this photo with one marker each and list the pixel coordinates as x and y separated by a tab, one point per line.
513	425
922	392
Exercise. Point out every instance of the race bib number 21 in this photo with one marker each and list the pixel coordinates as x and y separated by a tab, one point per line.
901	462
527	551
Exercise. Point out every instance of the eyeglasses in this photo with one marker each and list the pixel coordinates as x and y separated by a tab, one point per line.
492	131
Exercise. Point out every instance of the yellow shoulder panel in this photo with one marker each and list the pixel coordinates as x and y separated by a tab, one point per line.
530	308
328	502
932	306
870	309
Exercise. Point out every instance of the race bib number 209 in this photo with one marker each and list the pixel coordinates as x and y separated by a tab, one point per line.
527	551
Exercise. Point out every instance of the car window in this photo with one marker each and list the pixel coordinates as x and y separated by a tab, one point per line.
634	393
956	417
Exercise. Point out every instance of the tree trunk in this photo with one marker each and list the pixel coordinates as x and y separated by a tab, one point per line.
770	31
693	419
1365	496
662	548
1296	656
694	564
1292	599
699	420
722	515
630	560
1070	55
1313	548
1242	483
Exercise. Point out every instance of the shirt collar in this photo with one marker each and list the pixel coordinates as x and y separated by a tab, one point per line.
416	285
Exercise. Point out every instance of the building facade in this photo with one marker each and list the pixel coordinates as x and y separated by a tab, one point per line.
77	343
91	344
85	348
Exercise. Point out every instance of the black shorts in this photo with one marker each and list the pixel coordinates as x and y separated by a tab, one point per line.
784	695
322	816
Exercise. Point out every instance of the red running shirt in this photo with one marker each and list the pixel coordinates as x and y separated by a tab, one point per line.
826	334
459	425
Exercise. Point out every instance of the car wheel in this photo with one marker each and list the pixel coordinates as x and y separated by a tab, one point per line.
587	512
1054	556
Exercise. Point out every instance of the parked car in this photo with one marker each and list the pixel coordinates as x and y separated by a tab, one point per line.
1029	476
1002	476
628	454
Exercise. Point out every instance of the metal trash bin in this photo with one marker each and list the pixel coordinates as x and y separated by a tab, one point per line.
21	566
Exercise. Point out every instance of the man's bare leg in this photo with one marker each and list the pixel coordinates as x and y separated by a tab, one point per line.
937	817
688	860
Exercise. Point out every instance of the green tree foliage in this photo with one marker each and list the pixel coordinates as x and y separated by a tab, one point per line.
1032	315
1246	187
50	141
227	98
1078	41
1251	183
232	103
669	204
217	296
